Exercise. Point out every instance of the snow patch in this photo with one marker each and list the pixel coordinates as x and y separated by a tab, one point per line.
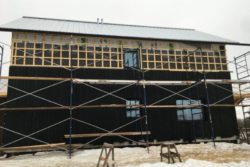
193	155
195	163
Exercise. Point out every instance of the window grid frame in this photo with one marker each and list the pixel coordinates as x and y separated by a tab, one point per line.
195	63
15	40
182	110
133	109
117	63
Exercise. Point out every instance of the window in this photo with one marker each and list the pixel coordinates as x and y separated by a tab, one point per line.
132	111
188	114
131	59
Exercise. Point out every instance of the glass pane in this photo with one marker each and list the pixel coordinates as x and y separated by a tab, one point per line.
128	59
132	102
186	102
128	114
197	114
133	113
179	113
131	59
138	113
187	114
195	111
178	102
197	117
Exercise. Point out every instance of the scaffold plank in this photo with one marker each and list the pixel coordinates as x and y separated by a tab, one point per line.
32	148
115	106
3	94
226	81
86	135
33	78
110	81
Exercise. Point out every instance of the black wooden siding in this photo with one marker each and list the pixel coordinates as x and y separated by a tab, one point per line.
163	122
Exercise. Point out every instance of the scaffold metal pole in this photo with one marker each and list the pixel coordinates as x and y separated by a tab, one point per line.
145	110
1	58
209	109
70	106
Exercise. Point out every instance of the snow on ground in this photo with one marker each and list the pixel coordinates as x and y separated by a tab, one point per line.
193	155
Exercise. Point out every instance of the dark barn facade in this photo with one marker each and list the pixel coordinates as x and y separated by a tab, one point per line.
100	77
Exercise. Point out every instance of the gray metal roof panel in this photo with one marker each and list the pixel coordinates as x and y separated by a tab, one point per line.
110	29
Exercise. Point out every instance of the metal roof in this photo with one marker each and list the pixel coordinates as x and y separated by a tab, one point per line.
36	24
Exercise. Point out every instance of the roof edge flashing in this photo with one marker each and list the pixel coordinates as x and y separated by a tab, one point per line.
107	23
124	37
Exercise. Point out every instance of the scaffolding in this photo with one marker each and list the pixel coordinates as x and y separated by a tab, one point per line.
243	73
69	148
1	58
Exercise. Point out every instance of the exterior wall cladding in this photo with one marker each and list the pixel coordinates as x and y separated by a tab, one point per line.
163	122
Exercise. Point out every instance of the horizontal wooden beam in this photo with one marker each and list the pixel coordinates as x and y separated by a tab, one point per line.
3	94
100	81
86	135
33	78
114	106
32	147
191	106
138	82
122	82
238	98
226	81
32	108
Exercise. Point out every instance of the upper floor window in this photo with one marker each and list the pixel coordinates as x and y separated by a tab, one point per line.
188	114
131	59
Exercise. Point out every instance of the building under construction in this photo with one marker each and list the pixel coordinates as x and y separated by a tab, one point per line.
78	82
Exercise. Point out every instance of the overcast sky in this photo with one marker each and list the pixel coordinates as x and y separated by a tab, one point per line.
226	18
